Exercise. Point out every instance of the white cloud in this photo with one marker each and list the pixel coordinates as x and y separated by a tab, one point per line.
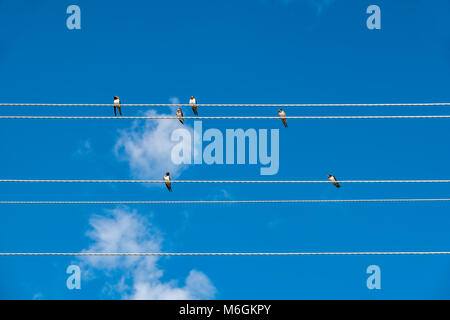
147	147
139	277
197	286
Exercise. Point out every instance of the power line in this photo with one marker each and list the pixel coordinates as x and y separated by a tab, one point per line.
222	253
217	181
228	105
221	117
224	201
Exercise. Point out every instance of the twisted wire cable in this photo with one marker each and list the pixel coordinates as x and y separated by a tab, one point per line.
221	117
362	253
433	104
214	181
220	201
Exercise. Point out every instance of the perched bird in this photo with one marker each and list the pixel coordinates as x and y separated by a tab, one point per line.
193	103
180	115
282	116
167	180
334	181
117	106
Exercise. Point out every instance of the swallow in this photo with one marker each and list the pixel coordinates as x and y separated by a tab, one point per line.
282	116
167	180
117	106
180	115
334	181
193	103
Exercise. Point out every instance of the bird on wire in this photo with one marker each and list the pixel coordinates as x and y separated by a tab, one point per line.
334	181
193	103
282	116
167	180
117	106
180	115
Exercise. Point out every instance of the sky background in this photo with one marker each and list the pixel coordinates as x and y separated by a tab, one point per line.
253	51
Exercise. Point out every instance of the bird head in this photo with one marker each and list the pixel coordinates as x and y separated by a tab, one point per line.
116	97
167	174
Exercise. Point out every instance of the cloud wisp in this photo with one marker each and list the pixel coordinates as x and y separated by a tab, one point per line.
84	149
319	5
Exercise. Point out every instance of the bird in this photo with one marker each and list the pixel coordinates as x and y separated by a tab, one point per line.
193	103
282	116
167	180
180	115
117	106
334	181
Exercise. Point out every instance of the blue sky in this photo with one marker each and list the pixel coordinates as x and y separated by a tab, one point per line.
254	51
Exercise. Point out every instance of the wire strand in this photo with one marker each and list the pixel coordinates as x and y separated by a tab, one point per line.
223	201
434	104
222	253
220	118
218	181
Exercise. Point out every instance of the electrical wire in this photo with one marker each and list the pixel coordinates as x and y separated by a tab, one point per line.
220	117
433	104
218	181
223	201
223	253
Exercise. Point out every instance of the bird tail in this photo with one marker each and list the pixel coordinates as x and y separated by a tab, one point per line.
195	110
285	123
